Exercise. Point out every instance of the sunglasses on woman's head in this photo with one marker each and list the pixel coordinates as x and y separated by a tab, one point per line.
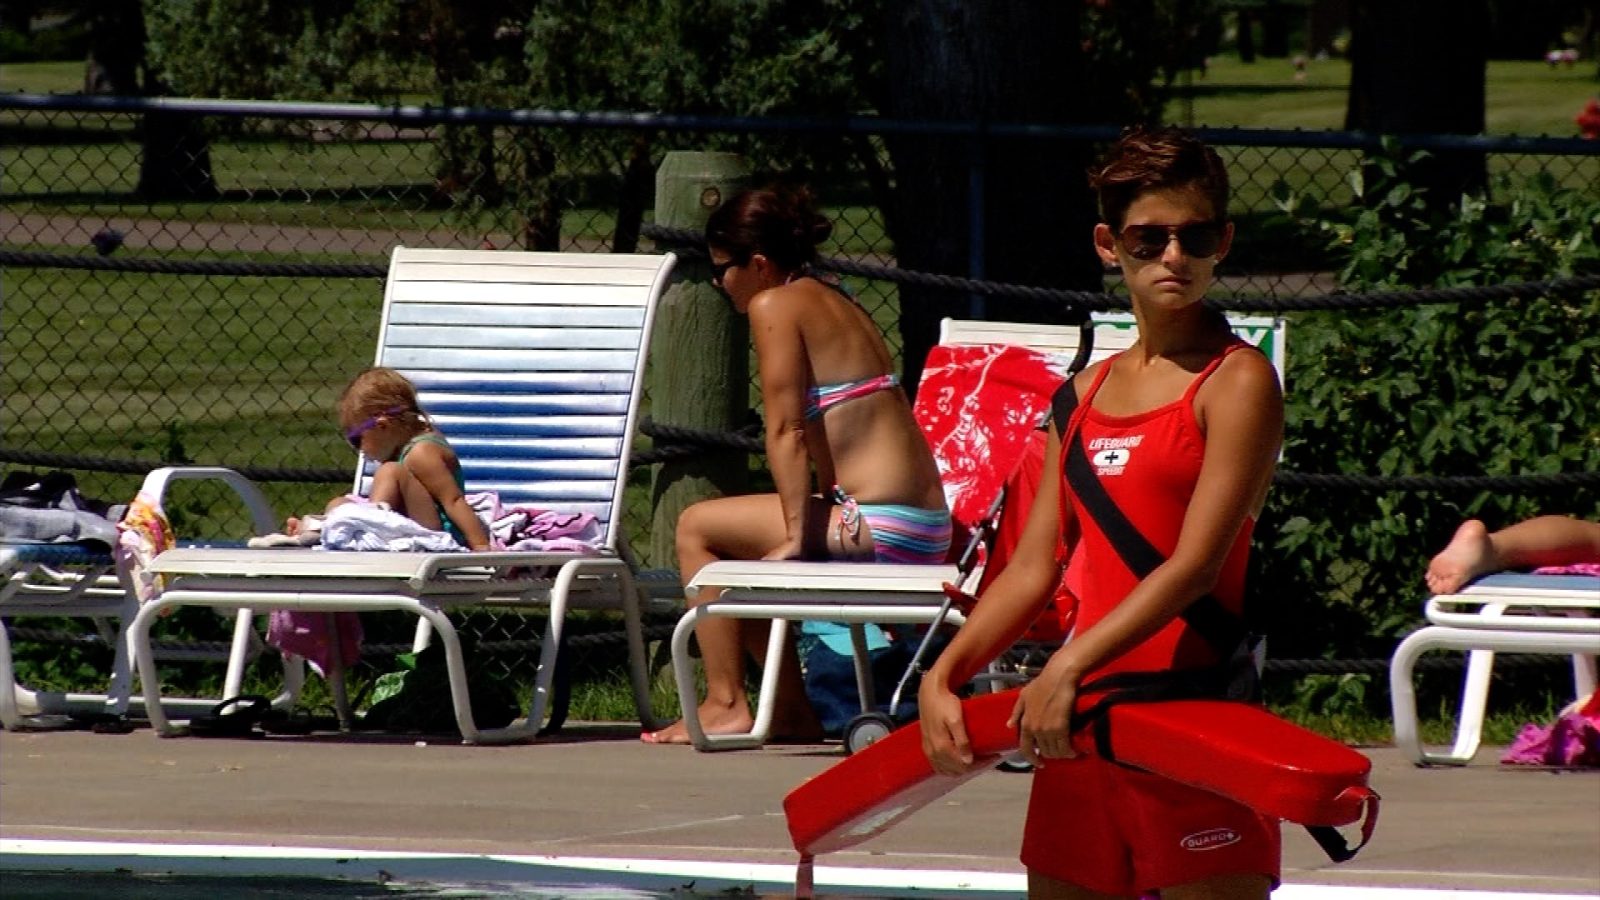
1196	239
355	434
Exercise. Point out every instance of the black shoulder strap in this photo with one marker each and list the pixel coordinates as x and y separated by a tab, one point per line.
1215	622
1063	403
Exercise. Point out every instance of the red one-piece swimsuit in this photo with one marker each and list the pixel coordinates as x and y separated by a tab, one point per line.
1094	823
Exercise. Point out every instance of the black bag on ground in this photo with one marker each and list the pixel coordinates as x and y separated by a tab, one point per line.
830	680
422	701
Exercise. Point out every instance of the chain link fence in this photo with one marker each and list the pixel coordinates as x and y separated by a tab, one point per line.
242	367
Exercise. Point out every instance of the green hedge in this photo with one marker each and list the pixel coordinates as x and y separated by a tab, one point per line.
1496	388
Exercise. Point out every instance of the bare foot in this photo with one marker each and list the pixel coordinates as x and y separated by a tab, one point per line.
715	718
1468	555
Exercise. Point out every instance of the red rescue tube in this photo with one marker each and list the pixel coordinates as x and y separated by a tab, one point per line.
1237	750
1246	754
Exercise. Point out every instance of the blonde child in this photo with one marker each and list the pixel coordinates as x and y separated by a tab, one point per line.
418	474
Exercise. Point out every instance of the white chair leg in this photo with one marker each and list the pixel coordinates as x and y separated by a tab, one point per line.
336	682
771	673
422	637
119	692
1403	697
10	716
866	689
144	660
545	678
683	672
1583	675
1474	704
456	670
238	654
638	655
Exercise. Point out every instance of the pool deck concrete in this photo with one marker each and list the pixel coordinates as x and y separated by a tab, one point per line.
597	791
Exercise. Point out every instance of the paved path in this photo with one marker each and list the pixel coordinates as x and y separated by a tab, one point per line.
598	791
142	235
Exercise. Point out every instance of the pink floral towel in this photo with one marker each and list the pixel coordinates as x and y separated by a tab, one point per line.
1574	569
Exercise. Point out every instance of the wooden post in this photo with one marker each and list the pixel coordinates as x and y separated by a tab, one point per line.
699	361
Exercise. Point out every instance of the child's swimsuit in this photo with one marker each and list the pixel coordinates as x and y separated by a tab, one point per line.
1094	823
430	437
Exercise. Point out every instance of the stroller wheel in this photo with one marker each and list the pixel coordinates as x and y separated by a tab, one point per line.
865	730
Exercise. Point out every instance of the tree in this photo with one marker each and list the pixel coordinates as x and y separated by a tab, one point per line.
703	57
175	158
954	61
1039	62
1402	85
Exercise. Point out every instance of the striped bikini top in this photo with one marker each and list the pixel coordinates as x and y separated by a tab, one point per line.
822	396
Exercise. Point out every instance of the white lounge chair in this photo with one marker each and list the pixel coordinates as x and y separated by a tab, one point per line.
859	593
80	581
532	365
1506	611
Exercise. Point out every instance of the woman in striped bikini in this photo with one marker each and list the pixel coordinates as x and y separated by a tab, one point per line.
835	412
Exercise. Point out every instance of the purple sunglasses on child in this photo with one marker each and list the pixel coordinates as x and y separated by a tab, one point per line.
355	434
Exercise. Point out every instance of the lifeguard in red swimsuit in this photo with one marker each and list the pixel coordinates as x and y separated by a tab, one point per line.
1170	447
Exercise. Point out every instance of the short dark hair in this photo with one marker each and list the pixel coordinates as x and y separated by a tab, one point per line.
780	223
1146	159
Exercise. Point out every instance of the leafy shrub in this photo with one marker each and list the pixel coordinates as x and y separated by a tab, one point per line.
1474	388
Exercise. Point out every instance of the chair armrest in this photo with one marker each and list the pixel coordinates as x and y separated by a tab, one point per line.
262	517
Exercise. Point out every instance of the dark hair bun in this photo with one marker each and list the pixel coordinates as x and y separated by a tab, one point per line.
821	229
780	221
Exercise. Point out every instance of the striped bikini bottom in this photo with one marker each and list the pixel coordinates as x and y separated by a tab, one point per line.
900	533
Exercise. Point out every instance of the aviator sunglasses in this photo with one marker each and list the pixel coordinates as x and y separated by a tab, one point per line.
1196	239
355	434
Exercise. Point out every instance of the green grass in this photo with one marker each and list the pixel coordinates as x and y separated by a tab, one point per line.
1523	98
42	77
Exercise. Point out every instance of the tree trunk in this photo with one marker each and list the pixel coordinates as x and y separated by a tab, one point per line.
1018	62
541	209
175	158
116	50
1275	31
1247	37
1324	21
459	41
17	16
638	189
1400	84
176	164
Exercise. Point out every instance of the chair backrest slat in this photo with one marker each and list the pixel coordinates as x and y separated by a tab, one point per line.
1113	333
530	363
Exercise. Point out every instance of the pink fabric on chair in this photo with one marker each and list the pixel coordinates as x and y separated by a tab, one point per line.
308	635
1574	569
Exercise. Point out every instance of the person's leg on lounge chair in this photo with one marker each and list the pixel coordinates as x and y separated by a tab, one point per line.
743	527
395	485
1541	541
